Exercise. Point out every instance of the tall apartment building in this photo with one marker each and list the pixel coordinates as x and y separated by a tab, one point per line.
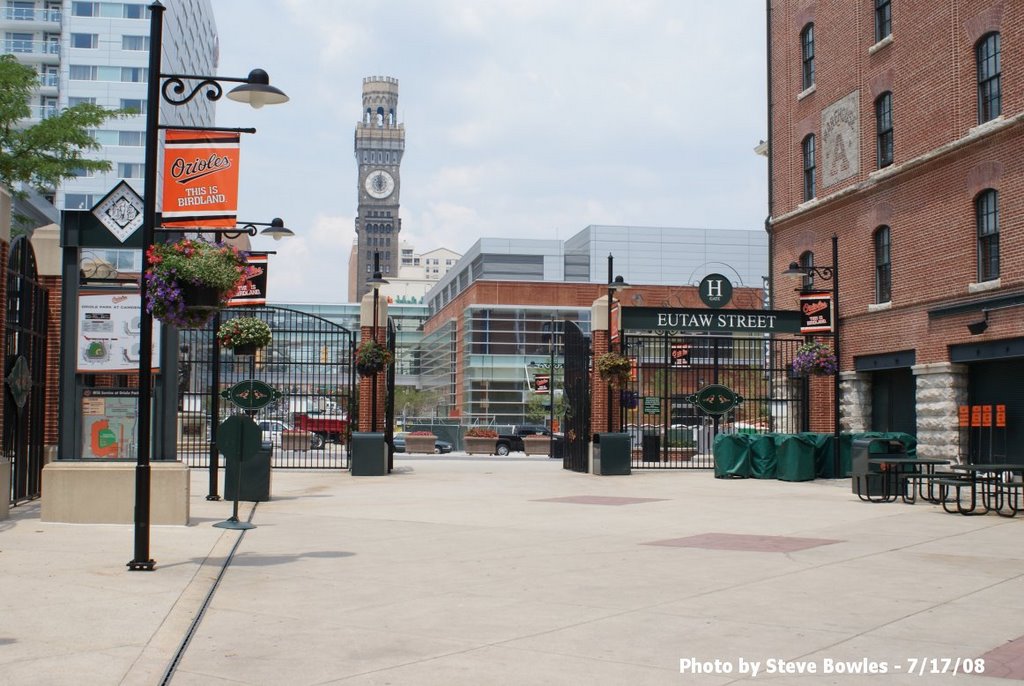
98	52
899	127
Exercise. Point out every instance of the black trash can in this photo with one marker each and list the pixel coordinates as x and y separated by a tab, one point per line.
650	447
369	454
868	479
611	454
255	473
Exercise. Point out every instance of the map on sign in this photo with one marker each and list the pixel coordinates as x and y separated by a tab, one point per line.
109	420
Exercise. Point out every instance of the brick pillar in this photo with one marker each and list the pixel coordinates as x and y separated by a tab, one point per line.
600	341
366	382
46	246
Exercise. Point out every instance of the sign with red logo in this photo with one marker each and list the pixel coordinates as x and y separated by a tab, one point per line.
964	416
542	383
986	415
816	313
975	415
1001	416
200	179
254	290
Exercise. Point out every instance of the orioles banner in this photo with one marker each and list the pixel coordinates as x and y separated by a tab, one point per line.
254	290
200	179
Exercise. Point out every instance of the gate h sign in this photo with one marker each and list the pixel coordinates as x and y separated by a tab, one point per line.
715	291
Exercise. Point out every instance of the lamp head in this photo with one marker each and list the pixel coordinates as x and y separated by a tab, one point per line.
979	327
376	281
795	270
619	284
277	230
257	91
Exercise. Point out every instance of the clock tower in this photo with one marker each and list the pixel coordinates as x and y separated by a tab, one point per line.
379	145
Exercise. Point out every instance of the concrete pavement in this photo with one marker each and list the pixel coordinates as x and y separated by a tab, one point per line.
484	571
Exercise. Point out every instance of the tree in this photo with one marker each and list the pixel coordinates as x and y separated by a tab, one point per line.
416	403
44	154
538	407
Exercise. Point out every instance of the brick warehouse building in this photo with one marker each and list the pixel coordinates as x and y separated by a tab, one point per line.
897	126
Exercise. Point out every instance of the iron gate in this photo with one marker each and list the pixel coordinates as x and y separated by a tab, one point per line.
389	401
668	431
576	394
25	372
309	361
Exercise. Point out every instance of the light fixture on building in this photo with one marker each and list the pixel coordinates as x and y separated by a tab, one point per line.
979	326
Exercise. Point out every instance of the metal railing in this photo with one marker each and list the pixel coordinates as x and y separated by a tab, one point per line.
26	14
18	46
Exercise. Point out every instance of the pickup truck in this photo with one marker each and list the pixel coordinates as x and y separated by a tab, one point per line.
324	427
510	438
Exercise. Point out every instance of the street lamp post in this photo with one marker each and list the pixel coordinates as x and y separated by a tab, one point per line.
829	273
614	284
170	88
375	283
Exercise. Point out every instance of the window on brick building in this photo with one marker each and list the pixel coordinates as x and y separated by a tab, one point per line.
883	128
990	101
808	150
986	208
883	266
883	19
807	54
807	263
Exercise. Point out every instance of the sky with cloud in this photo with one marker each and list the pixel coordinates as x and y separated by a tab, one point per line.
523	118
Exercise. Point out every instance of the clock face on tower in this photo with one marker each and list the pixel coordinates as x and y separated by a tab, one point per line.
379	184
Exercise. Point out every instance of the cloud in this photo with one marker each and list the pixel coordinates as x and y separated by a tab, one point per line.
524	118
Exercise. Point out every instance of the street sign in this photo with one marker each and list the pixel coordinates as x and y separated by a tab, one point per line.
251	394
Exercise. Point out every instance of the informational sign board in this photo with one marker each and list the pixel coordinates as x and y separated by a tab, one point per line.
109	331
542	383
652	404
109	423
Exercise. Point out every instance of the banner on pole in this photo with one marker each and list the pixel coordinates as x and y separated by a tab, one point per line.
200	179
254	290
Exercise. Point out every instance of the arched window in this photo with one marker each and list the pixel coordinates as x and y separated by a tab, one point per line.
807	55
883	19
808	151
380	116
883	129
883	266
807	262
990	102
987	219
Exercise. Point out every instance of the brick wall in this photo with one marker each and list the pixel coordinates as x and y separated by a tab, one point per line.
942	161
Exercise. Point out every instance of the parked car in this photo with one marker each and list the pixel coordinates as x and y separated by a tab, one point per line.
273	429
440	447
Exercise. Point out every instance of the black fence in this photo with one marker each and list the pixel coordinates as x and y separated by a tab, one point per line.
25	372
668	431
309	362
576	396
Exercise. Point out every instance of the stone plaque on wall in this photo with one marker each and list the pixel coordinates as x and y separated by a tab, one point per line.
840	150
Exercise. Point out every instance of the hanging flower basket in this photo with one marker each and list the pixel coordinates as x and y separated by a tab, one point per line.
372	358
614	368
245	335
188	281
815	358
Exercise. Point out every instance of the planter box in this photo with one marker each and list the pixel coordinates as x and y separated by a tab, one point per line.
420	444
537	445
296	440
479	446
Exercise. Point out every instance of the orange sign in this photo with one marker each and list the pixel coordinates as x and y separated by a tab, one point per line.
200	179
986	415
1001	416
964	416
975	415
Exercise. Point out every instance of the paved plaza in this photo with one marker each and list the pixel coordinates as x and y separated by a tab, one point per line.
476	571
